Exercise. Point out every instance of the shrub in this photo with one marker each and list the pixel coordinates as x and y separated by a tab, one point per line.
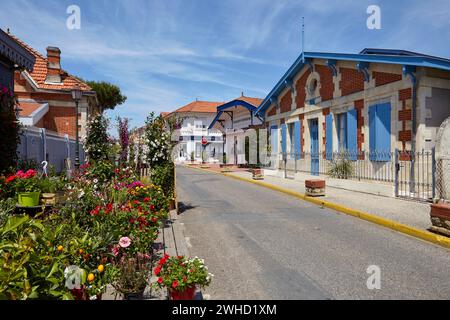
341	167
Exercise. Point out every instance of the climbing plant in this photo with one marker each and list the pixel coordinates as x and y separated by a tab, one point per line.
97	142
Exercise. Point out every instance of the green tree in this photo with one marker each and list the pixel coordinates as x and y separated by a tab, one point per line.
97	143
108	95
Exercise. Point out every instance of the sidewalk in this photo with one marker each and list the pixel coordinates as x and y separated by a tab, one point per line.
410	213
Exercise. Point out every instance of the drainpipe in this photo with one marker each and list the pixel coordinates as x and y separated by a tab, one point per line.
410	70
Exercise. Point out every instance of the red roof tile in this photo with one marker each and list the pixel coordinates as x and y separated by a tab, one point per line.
200	106
253	101
39	73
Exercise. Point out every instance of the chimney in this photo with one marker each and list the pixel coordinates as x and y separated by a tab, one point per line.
53	65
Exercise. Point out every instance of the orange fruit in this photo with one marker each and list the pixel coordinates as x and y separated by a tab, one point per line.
91	277
60	248
81	251
101	268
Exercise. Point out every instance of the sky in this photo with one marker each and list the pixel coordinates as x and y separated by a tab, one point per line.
164	54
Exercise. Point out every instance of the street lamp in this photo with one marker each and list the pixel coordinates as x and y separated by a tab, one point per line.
77	94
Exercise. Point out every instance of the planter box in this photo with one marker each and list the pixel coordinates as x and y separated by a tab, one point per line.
258	174
315	188
440	217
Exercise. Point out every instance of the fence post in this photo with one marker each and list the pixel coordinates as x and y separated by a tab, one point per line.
433	170
396	168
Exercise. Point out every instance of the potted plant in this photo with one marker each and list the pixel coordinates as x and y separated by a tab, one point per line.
51	190
132	278
182	276
27	187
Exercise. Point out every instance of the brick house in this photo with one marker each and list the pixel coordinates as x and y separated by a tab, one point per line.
45	97
382	108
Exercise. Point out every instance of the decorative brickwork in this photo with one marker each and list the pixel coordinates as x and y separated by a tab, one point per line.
326	82
405	116
286	102
352	81
300	88
359	106
382	78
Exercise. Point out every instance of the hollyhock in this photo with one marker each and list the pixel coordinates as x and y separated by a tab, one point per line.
160	280
115	251
175	284
157	271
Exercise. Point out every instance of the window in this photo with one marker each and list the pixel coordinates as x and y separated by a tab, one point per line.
341	122
380	132
292	138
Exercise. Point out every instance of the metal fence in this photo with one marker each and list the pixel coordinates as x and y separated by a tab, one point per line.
443	179
40	145
412	174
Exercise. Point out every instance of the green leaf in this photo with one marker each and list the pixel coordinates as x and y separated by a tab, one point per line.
53	270
13	223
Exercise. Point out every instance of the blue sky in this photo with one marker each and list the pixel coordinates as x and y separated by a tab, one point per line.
166	53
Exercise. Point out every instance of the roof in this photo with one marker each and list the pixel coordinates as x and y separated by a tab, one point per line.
39	73
250	104
200	106
15	51
164	114
366	56
32	112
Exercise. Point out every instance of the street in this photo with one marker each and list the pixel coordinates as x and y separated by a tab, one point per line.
261	244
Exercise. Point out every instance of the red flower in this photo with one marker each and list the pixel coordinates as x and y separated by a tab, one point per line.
136	202
157	271
175	284
147	200
154	220
152	207
10	179
184	279
160	280
109	207
132	220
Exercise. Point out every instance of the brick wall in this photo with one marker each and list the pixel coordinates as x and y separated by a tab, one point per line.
326	82
382	78
359	106
286	102
405	117
351	81
300	88
61	120
302	131
272	112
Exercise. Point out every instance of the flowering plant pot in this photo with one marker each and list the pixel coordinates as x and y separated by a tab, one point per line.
182	276
48	198
29	199
188	294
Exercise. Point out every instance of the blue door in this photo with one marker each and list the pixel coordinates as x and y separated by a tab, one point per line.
315	156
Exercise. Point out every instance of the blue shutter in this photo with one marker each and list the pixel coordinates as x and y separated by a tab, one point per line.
372	132
329	136
283	138
352	132
297	138
383	132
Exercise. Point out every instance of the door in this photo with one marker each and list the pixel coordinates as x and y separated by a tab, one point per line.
315	157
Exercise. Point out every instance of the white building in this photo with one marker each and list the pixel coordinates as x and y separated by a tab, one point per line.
196	117
233	119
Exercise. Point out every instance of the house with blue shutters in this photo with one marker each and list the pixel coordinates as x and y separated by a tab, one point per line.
379	109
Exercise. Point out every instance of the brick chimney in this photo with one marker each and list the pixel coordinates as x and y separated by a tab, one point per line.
53	65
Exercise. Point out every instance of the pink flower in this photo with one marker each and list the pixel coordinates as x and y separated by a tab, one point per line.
125	242
115	251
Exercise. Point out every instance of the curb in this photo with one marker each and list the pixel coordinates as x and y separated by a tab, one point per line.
396	226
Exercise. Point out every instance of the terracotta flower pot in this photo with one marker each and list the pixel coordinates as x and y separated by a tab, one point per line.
188	294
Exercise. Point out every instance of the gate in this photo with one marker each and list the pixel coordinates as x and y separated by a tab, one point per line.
415	175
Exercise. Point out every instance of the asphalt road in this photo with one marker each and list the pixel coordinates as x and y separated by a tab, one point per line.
261	244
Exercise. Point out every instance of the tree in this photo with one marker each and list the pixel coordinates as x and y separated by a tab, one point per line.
108	95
